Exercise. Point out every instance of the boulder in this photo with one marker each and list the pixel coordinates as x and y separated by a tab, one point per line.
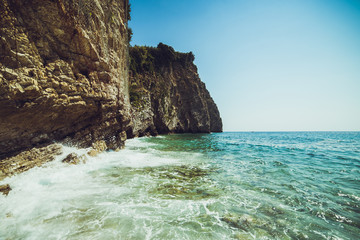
5	189
74	158
98	147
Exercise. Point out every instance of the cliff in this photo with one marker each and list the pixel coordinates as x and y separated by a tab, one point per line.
63	72
167	94
64	76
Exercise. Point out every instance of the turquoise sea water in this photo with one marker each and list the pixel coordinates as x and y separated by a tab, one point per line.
295	185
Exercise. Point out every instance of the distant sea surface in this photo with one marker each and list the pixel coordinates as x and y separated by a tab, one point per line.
241	185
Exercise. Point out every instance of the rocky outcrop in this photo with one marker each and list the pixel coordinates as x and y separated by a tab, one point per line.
97	147
75	159
25	160
64	75
63	72
167	94
5	189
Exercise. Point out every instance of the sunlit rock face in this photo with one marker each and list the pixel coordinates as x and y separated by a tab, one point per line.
167	94
64	76
63	72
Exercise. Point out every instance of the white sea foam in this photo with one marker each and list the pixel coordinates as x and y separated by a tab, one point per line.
58	200
165	188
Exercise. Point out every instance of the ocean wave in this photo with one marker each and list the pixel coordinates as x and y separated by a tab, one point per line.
217	186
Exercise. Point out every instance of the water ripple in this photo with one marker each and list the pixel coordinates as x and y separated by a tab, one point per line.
195	186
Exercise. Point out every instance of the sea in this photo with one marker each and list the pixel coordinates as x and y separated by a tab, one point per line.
232	185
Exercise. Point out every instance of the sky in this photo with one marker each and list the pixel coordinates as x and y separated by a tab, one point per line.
270	65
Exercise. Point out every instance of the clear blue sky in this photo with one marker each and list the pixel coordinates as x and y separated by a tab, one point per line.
270	65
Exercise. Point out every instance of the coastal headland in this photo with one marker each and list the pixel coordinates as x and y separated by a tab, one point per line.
68	74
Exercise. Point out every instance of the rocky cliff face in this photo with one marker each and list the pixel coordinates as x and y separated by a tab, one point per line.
63	72
167	94
64	75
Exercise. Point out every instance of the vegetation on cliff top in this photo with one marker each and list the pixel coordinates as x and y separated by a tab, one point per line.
151	59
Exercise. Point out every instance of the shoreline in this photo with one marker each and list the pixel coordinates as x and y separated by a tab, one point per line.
40	155
214	186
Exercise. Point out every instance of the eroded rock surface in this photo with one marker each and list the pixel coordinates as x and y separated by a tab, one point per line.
64	76
74	158
63	72
167	94
25	160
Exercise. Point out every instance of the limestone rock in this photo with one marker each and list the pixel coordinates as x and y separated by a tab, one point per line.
97	147
92	153
5	189
74	158
25	160
63	72
167	94
64	76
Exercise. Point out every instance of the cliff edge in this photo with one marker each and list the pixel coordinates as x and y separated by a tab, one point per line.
64	76
167	95
63	72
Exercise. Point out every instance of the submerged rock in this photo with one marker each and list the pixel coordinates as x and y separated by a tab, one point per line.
5	189
241	222
191	172
183	182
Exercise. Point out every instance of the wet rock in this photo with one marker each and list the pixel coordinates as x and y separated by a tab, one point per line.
28	159
123	136
5	189
92	153
98	147
74	158
243	236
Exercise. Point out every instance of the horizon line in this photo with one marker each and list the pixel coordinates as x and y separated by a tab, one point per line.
291	131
